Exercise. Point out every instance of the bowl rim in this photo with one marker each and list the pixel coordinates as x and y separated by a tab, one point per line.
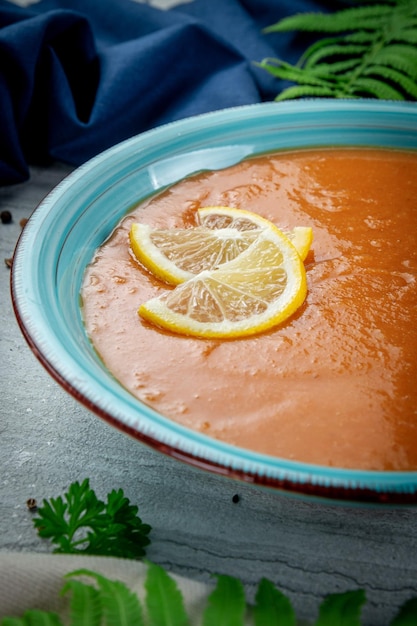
285	476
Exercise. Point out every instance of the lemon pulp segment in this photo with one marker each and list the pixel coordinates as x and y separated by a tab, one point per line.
175	255
257	290
223	233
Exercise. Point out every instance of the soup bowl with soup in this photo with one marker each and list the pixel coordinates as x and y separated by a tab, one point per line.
320	404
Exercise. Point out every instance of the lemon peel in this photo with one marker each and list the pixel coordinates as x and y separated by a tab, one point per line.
252	293
223	233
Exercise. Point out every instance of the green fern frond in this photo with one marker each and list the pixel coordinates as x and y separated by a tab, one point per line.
361	36
371	87
364	17
289	72
321	43
392	56
305	91
331	70
335	51
409	35
375	54
399	53
407	85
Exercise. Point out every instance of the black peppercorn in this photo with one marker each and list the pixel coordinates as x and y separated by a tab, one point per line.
31	504
6	217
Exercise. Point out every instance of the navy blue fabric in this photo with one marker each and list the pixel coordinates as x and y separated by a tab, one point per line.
78	76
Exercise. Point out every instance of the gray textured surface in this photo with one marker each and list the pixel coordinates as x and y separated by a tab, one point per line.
48	440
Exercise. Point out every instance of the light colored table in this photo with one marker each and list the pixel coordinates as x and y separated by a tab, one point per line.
308	548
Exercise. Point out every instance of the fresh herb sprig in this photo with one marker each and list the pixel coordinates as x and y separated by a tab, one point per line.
80	523
371	53
108	602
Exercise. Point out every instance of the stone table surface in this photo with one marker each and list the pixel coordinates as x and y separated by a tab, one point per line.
308	548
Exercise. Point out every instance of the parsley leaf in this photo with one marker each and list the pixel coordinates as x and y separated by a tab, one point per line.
80	523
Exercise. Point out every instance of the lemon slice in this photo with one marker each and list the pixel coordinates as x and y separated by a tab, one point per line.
176	255
218	217
254	292
301	238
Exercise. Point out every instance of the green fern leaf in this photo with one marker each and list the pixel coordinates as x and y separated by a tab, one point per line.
226	605
396	78
272	606
376	88
331	70
352	64
323	76
367	40
119	605
35	617
391	57
164	599
407	615
400	57
85	606
334	51
361	36
285	71
321	43
306	91
366	17
341	609
408	35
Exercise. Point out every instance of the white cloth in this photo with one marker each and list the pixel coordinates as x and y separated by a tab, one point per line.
34	581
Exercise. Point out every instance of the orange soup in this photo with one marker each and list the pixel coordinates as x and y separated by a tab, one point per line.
336	383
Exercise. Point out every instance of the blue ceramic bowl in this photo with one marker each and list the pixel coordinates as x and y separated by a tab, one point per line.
75	218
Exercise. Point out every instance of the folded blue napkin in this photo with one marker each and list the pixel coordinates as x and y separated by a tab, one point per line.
78	76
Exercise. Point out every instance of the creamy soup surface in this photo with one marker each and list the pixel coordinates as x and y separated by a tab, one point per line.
334	385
